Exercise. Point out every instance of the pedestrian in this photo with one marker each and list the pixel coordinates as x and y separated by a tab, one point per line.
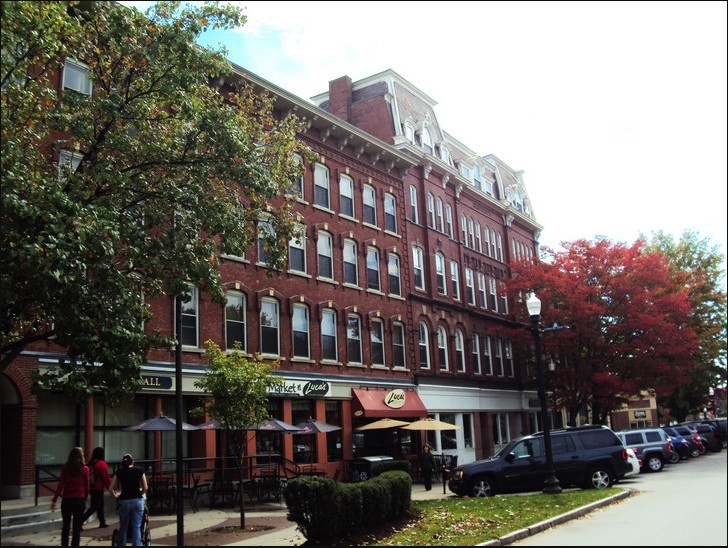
73	488
100	482
427	466
129	487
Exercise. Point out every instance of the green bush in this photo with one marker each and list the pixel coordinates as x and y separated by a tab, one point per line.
387	465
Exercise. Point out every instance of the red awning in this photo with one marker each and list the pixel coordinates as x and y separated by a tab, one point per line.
394	404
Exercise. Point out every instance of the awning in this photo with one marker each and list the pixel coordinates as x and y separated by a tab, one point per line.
394	404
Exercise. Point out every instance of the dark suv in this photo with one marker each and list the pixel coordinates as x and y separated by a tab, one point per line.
585	456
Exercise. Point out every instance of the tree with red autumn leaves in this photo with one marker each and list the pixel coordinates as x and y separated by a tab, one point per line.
630	323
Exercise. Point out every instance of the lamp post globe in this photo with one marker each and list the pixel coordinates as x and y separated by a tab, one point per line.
551	483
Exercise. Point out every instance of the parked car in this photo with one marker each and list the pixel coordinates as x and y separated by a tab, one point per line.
585	456
709	432
683	446
634	462
652	445
699	444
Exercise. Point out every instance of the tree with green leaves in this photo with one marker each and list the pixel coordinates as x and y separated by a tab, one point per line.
238	388
631	323
698	266
173	161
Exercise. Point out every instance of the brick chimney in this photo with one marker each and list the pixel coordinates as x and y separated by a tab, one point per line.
340	97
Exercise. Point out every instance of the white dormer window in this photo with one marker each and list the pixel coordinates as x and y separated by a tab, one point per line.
465	171
445	155
427	140
409	131
517	201
476	177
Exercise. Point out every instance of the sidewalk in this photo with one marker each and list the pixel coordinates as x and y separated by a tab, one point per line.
270	518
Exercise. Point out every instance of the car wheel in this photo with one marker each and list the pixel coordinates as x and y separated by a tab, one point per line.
599	478
695	453
483	487
654	463
674	457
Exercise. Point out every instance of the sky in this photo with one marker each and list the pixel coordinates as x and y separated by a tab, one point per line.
614	111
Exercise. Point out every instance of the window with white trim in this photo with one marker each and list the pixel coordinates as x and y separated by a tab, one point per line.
500	246
469	286
269	327
414	211
353	338
508	351
442	349
503	297
427	140
351	269
189	330
373	276
459	351
476	177
478	241
417	267
482	298
438	212
477	368
455	278
325	248
398	353
486	238
235	315
321	186
501	430
471	233
77	77
493	295
499	371
369	199
297	250
390	213
424	345
448	220
464	230
297	184
487	355
346	195
376	334
266	233
440	273
431	210
329	346
395	279
68	163
301	346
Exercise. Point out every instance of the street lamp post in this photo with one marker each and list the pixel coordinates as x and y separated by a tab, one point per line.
178	425
551	483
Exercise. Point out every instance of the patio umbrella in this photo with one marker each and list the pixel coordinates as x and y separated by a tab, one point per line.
275	425
430	424
381	424
212	424
160	423
312	426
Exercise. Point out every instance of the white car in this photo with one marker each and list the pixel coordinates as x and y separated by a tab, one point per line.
634	461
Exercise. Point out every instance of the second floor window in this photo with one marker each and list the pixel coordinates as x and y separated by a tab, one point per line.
321	186
235	320
417	265
414	212
442	349
346	191
370	205
300	332
77	77
454	274
459	351
424	344
377	336
329	348
390	213
351	275
190	318
440	273
373	278
269	332
398	354
395	286
469	286
325	248
477	369
353	338
265	234
297	251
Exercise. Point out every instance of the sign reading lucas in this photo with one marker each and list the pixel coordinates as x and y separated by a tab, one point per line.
310	389
394	398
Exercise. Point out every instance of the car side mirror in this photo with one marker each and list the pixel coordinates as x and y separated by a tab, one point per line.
510	457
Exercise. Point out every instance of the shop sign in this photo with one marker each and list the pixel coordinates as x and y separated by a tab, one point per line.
395	398
154	381
304	389
640	414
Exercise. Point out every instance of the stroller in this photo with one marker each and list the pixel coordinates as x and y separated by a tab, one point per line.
146	534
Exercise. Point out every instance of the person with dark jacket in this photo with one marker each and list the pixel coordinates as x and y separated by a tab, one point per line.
427	466
129	487
73	488
100	482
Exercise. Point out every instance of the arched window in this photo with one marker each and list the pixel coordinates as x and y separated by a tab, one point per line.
390	213
459	351
395	280
235	315
440	273
346	195
424	344
442	349
353	338
329	345
325	249
321	186
269	328
301	346
376	334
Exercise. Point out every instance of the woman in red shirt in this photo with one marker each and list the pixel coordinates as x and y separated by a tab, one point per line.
100	482
73	487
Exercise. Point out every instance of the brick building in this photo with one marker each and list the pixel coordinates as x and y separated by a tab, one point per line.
387	307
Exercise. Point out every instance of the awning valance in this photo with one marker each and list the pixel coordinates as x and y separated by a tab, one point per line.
394	404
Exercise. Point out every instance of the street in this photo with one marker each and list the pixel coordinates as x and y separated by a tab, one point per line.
684	505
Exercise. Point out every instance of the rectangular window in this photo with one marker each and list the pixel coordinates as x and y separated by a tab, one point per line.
353	339
468	430
455	276
190	318
501	433
482	298
269	322
414	212
430	210
508	350
464	230
373	278
493	296
448	219
478	240
440	273
377	336
297	184
471	233
417	262
325	255
486	238
370	205
77	77
266	233
438	212
499	356
459	351
395	285
68	163
351	275
329	350
487	356
442	349
346	195
470	286
297	251
424	346
321	186
235	320
300	332
398	355
477	368
390	213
